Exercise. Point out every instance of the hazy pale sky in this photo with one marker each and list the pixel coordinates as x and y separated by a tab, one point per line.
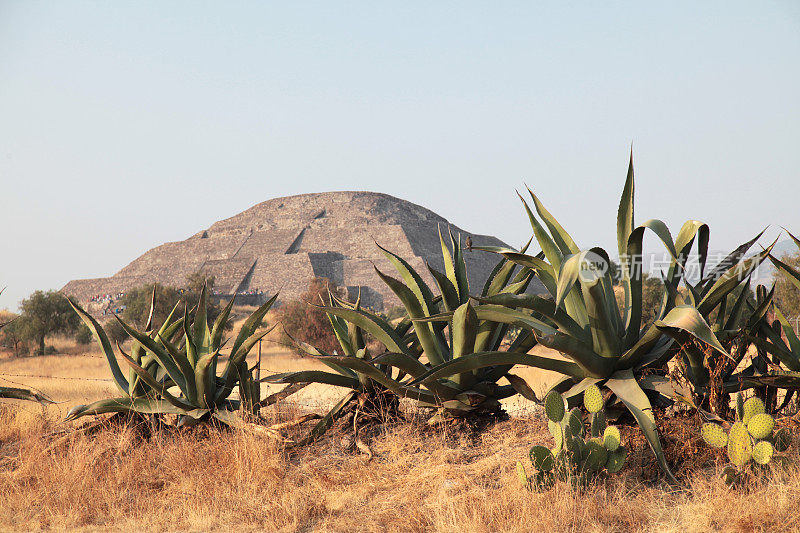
124	125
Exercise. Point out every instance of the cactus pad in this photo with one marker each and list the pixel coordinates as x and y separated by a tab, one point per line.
739	406
611	438
762	452
714	435
596	456
753	406
542	458
730	475
592	399
598	423
616	460
760	425
558	436
740	446
575	422
522	475
554	406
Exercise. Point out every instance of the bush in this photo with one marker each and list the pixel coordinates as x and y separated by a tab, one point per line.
308	323
83	335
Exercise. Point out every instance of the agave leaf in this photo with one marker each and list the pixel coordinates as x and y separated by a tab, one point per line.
415	310
460	268
543	306
783	379
281	394
735	315
624	385
560	235
201	335
686	320
412	279
311	350
234	360
401	390
219	324
779	350
592	363
730	280
465	329
545	272
99	333
794	275
326	421
788	331
186	369
625	211
405	363
500	274
149	325
632	274
449	265
521	386
250	325
206	380
128	405
157	350
476	361
376	327
604	318
159	388
761	309
732	259
339	327
16	393
313	376
690	231
449	293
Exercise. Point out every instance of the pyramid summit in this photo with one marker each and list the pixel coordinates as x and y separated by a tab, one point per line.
280	244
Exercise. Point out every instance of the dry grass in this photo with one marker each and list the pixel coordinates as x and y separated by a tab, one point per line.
420	479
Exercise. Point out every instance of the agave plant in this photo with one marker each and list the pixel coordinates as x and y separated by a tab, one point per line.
606	345
780	340
722	296
436	329
179	379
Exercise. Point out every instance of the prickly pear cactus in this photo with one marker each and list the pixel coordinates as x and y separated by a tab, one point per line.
577	456
750	438
593	399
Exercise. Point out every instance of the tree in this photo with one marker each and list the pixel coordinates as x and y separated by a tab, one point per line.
195	282
308	323
46	313
11	335
137	303
652	295
787	295
83	335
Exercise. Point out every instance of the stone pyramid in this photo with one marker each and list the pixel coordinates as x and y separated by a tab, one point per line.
280	244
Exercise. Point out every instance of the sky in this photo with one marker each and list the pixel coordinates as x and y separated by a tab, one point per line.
124	125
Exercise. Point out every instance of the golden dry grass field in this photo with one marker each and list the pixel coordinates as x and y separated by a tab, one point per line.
419	479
